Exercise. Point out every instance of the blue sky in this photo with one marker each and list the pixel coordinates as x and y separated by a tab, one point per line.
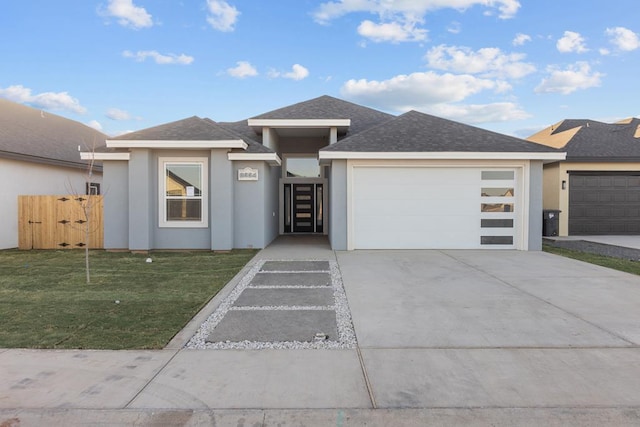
513	66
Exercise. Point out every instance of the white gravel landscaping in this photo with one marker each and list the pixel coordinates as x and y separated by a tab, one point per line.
346	334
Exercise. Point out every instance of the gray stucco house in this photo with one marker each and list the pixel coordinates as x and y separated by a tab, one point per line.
364	178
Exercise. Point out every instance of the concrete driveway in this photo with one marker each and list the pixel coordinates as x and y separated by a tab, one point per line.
493	329
444	338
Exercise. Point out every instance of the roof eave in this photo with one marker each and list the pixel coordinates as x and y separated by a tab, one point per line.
436	155
105	156
271	158
47	161
179	144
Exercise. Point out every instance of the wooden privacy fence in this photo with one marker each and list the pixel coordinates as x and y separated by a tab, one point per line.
60	222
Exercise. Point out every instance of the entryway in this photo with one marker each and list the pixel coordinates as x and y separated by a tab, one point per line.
303	208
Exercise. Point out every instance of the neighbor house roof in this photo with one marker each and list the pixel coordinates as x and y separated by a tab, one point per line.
38	136
416	132
591	140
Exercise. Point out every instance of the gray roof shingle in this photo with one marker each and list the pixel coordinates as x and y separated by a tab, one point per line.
39	136
327	107
602	141
419	132
192	129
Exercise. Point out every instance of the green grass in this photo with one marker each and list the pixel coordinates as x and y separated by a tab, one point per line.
625	265
46	303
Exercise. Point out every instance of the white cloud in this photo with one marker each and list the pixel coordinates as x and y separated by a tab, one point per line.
433	93
128	14
488	62
298	72
412	10
159	58
46	100
95	125
242	69
416	90
480	113
571	42
521	39
391	32
575	77
222	16
117	114
455	27
398	20
623	38
604	51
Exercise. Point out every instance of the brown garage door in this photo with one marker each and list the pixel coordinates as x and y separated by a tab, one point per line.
604	204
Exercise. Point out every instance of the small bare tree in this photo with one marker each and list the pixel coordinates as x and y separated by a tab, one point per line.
87	202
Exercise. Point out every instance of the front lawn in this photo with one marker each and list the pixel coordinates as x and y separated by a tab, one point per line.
130	304
620	264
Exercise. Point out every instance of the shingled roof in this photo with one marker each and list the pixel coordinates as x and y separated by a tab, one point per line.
37	136
191	129
591	140
419	132
327	107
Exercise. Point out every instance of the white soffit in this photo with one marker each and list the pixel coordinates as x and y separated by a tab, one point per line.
271	158
180	144
428	155
105	156
341	124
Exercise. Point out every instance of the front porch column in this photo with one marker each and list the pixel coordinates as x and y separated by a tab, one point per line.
221	200
333	135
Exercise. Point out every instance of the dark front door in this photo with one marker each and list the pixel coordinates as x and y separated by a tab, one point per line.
303	208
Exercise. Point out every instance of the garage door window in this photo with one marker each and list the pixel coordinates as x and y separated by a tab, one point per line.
497	207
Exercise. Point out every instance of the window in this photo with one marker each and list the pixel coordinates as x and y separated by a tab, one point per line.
302	167
92	189
183	190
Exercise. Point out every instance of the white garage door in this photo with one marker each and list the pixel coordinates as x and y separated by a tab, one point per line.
433	208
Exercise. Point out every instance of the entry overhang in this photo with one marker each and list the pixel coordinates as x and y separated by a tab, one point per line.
258	124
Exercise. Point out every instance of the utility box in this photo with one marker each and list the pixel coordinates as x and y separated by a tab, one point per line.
550	222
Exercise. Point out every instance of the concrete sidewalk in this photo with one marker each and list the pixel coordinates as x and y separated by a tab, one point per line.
444	338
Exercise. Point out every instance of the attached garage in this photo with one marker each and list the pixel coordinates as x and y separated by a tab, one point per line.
602	203
422	182
421	207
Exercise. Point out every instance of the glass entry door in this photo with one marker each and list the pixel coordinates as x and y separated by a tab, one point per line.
303	208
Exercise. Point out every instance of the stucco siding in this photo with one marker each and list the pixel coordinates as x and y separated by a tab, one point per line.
249	207
338	205
551	186
141	191
272	205
221	220
24	178
116	204
535	205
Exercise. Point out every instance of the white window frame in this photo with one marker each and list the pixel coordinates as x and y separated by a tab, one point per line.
203	162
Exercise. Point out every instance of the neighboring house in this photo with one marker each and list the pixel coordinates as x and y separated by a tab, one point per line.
364	178
39	156
597	188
